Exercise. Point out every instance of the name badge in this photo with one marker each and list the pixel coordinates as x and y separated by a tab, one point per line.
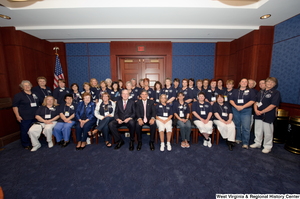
202	113
259	104
165	114
47	116
201	106
129	97
213	99
180	107
67	114
106	113
225	98
33	104
181	114
166	91
61	90
224	114
167	96
240	101
157	91
157	100
112	92
209	91
148	97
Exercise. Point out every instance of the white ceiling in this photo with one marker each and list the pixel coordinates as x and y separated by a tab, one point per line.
142	20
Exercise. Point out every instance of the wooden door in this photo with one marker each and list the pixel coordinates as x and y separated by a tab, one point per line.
142	67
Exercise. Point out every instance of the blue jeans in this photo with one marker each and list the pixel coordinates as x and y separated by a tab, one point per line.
24	128
81	133
242	120
103	125
62	130
185	130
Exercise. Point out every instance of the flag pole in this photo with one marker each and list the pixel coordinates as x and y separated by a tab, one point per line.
56	48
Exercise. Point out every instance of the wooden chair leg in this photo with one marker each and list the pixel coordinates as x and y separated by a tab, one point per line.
156	136
74	136
135	138
213	136
53	140
172	135
97	137
218	136
197	135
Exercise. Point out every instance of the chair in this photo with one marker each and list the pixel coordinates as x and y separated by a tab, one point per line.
177	129
124	129
1	193
215	131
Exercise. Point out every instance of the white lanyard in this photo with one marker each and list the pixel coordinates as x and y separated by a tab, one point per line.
32	104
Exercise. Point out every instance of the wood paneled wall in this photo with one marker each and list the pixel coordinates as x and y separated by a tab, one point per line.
129	48
24	57
249	56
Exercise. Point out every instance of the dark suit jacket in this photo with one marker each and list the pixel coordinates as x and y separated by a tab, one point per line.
129	111
150	109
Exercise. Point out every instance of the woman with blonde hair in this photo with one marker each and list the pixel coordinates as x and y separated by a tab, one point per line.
47	116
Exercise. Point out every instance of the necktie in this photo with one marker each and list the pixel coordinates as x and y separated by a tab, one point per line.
124	105
145	118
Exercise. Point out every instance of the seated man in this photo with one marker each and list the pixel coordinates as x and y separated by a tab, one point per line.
124	116
145	112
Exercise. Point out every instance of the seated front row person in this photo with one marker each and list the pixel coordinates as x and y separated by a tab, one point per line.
46	115
104	112
85	119
181	111
164	114
124	116
62	129
202	112
223	120
145	114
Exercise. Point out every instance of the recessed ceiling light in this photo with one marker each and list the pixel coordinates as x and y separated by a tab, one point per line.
265	16
4	16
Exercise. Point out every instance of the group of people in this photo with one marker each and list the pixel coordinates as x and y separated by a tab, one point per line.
107	106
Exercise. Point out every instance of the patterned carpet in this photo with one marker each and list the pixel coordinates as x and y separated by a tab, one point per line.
100	172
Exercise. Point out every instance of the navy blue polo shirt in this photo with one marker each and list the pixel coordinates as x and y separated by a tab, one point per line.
181	109
192	88
221	91
169	92
76	97
196	91
205	90
115	95
133	95
67	111
177	90
27	105
202	110
211	95
95	89
137	91
255	91
41	93
242	97
227	94
100	92
188	93
156	96
163	111
59	94
150	92
47	113
265	98
223	110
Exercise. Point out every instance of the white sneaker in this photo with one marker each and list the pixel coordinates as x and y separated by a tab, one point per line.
169	148
209	143
266	150
50	144
35	148
205	142
245	146
162	146
88	141
253	146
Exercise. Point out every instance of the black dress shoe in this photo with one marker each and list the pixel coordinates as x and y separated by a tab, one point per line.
65	144
78	148
131	146
81	148
230	146
152	148
139	146
28	147
61	142
119	144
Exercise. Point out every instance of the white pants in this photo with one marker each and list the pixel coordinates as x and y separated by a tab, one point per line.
36	130
204	128
227	130
264	131
162	127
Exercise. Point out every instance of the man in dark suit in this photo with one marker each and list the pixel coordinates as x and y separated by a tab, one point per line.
124	116
145	114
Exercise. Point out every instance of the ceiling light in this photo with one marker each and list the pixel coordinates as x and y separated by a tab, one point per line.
265	16
4	16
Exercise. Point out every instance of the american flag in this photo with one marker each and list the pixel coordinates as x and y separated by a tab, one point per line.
58	73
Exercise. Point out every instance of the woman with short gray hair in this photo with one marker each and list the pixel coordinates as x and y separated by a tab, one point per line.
25	104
